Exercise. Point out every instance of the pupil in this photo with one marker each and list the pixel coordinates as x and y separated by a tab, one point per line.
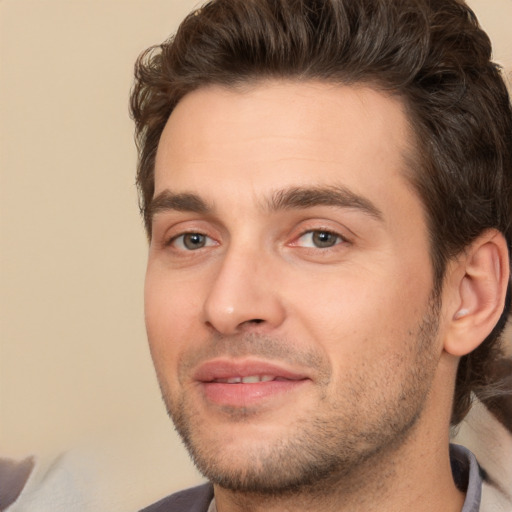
324	239
194	241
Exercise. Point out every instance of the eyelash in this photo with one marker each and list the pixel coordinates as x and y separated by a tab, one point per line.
172	241
338	239
209	242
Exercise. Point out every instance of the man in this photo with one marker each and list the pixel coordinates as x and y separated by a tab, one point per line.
326	187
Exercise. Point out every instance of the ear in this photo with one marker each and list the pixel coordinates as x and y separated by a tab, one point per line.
479	283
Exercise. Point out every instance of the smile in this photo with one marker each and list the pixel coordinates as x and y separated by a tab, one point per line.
251	379
246	383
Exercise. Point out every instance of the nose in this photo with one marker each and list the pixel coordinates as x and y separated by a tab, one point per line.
244	295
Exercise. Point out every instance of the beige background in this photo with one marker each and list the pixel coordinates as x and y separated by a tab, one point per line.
73	358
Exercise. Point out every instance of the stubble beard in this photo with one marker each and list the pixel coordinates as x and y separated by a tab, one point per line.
349	436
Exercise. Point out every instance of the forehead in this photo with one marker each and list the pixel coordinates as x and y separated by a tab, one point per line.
274	135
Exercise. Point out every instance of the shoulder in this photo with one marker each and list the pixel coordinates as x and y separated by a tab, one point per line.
196	499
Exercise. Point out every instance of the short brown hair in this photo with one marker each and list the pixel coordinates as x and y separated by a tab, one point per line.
431	53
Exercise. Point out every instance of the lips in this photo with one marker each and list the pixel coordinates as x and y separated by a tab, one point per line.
245	383
225	369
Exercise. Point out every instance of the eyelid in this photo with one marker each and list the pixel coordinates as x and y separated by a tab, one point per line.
168	224
311	232
171	241
321	224
172	226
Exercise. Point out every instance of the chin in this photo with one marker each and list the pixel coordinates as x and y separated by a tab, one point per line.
309	453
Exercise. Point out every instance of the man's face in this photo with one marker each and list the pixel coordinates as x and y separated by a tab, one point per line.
289	287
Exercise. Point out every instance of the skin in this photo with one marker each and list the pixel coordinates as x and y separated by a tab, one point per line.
336	293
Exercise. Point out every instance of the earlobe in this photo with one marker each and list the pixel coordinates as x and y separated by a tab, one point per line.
481	293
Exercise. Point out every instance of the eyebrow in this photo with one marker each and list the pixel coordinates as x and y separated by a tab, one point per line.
308	197
182	202
294	198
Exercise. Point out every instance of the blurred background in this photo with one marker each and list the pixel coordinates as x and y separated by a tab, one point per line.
75	370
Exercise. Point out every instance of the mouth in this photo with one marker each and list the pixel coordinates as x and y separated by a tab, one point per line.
251	379
246	383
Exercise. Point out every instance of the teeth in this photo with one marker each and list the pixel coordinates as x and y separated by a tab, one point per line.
251	379
257	378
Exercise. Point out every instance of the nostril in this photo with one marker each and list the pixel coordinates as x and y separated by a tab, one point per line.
250	324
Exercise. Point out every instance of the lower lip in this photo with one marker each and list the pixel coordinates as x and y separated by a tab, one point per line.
243	395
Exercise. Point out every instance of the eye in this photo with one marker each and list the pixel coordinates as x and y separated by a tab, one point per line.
319	239
191	241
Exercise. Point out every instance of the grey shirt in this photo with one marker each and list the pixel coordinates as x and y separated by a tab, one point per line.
467	476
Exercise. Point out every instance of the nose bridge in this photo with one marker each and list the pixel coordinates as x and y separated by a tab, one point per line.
242	294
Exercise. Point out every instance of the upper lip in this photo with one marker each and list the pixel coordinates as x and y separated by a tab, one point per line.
228	368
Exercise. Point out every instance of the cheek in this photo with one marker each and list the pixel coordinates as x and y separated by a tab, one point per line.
169	309
357	316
